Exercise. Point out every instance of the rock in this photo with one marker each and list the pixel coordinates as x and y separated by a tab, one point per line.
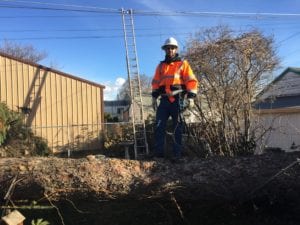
91	157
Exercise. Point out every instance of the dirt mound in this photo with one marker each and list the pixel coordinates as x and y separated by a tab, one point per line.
246	190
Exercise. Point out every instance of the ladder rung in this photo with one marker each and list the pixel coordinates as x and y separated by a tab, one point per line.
140	128
140	133
141	140
141	146
141	136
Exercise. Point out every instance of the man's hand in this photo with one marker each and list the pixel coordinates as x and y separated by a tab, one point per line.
190	103
154	104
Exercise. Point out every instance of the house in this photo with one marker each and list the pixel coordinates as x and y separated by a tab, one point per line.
121	108
116	108
277	112
64	109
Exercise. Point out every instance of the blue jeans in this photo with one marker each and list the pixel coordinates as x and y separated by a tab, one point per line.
164	111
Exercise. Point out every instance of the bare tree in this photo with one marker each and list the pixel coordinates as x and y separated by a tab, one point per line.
26	52
124	92
230	69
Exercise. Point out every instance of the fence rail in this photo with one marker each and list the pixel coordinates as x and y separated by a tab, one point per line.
77	137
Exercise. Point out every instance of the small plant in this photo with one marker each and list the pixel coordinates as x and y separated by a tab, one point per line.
7	120
40	146
40	222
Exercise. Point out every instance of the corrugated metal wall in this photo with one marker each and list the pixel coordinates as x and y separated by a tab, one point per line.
66	110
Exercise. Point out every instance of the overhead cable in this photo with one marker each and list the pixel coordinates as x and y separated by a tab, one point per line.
88	37
95	9
66	6
210	13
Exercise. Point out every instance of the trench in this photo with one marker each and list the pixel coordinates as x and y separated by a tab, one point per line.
81	210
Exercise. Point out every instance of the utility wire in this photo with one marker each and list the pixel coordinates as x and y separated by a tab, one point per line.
59	9
94	9
106	36
208	13
80	7
93	29
64	30
88	37
55	16
289	37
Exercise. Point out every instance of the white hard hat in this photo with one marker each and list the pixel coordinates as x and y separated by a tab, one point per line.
170	41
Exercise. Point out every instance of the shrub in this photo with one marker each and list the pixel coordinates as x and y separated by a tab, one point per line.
8	119
13	132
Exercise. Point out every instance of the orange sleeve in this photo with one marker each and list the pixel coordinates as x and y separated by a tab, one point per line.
189	78
156	78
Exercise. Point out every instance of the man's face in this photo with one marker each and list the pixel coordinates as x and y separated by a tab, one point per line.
170	50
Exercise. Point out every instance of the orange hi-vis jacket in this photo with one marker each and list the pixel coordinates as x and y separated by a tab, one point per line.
177	73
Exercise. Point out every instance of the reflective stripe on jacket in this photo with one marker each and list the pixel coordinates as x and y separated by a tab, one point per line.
174	74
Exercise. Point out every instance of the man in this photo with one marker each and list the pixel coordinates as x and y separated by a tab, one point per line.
173	79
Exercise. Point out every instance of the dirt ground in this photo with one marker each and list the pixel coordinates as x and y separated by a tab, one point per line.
260	190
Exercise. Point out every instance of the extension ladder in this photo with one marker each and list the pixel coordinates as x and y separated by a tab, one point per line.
136	104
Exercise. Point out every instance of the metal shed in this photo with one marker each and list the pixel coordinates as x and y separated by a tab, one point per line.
64	109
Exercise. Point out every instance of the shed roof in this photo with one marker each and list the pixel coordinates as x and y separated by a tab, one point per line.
51	70
289	69
283	92
294	70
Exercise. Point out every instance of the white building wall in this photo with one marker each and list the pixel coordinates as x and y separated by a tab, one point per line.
283	130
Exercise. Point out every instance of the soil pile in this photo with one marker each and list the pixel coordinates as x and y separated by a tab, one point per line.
261	189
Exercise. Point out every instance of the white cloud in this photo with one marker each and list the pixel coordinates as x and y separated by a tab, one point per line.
120	81
111	89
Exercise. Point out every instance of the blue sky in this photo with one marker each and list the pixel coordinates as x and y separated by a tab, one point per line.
91	45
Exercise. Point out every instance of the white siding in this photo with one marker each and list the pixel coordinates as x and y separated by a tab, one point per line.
285	131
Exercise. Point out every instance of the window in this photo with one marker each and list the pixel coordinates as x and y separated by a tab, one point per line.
120	110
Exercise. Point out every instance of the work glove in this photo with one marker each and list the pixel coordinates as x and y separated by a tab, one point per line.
154	103
190	103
